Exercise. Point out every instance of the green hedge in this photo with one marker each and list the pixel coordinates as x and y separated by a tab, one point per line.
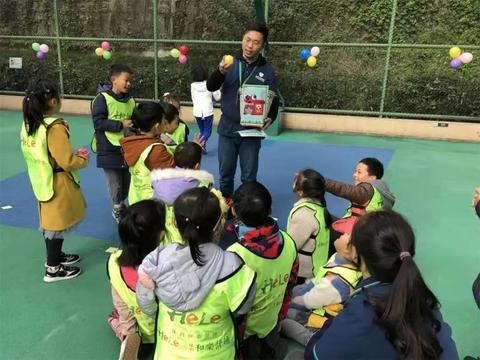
419	81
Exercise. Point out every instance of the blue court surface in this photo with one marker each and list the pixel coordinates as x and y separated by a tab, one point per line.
279	161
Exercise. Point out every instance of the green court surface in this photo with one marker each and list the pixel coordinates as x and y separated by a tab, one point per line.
433	182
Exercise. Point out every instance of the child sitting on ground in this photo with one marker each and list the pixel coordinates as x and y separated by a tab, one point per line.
272	254
168	184
368	193
309	222
195	290
321	298
140	230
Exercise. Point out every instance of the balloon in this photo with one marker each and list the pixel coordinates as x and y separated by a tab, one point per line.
105	45
174	53
41	55
35	46
44	48
228	59
466	58
182	59
455	63
455	52
107	55
99	51
304	53
312	61
183	49
314	51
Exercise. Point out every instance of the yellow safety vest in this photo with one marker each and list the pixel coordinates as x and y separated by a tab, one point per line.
35	152
322	239
178	136
272	280
146	324
375	203
207	332
118	111
348	273
140	183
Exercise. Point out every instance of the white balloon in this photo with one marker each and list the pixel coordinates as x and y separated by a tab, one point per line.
44	48
314	51
466	58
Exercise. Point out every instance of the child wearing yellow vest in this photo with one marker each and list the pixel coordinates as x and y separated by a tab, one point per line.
309	223
180	133
368	193
195	290
272	254
112	109
52	168
145	151
141	229
168	184
322	297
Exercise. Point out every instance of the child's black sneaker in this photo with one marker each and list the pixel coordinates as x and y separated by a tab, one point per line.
60	272
69	259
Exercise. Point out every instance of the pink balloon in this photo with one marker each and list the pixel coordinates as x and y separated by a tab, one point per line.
105	45
314	51
182	59
466	58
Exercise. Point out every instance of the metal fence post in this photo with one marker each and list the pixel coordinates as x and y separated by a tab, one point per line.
59	51
387	57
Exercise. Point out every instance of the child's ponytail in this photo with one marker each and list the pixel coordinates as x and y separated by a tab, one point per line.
35	103
197	212
385	242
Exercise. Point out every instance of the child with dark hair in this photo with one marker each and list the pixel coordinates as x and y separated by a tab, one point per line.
272	254
168	184
195	289
145	152
202	100
179	131
52	167
392	314
368	193
322	298
309	222
112	109
141	229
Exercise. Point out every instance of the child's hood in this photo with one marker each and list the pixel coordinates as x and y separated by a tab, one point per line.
199	86
168	184
180	283
133	146
105	86
387	195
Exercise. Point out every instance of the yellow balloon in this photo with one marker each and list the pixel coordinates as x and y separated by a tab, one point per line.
455	52
312	61
99	51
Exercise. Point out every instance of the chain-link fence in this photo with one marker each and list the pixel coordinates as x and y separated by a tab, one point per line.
386	58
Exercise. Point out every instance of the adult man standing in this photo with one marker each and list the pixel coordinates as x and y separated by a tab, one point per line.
249	67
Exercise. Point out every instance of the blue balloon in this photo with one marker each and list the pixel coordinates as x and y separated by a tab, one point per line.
304	53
